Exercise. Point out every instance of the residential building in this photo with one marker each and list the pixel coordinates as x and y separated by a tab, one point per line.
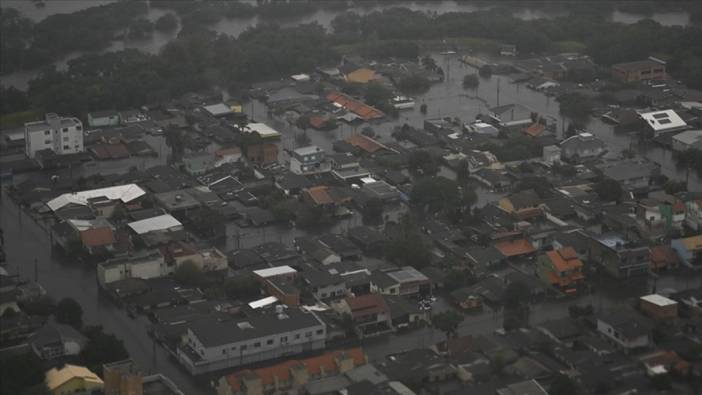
56	340
658	307
308	160
324	285
405	281
641	70
494	179
666	121
145	265
292	375
211	344
523	204
58	134
691	139
357	108
625	328
689	250
346	167
561	269
370	313
126	378
632	174
361	76
127	193
379	189
72	379
264	131
158	230
93	234
262	154
198	163
693	212
582	146
103	119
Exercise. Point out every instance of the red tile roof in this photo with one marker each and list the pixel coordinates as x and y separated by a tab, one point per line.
320	195
564	259
662	256
363	110
97	237
515	247
365	143
366	304
314	366
535	129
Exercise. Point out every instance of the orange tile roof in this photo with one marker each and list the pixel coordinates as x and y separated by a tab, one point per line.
564	259
361	76
662	256
96	237
535	129
366	304
314	366
320	195
363	110
365	143
515	247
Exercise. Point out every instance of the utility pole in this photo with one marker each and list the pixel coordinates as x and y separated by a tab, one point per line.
498	91
36	270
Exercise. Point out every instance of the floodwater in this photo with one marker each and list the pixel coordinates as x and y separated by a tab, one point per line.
236	26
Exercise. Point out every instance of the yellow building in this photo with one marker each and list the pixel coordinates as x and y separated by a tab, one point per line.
361	76
72	379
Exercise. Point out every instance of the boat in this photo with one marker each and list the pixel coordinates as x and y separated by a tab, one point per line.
402	102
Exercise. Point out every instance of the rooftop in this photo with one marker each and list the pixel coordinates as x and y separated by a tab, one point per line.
55	378
658	300
663	120
274	271
407	274
162	222
262	129
125	193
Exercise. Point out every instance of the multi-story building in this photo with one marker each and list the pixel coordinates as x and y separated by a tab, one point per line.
641	70
308	160
58	134
212	344
149	264
561	269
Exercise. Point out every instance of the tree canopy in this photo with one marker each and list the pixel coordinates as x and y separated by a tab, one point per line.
69	312
101	348
448	322
188	273
609	190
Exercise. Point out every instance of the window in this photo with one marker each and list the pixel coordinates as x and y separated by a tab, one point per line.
308	334
79	127
257	344
269	341
65	138
65	130
283	339
224	351
297	336
47	142
233	348
66	147
243	347
320	331
47	132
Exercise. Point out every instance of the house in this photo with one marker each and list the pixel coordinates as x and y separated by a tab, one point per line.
561	269
379	189
658	307
370	313
619	259
308	160
689	250
72	379
211	344
632	174
291	375
663	257
144	265
665	121
361	76
103	119
198	163
405	312
640	70
56	340
522	203
481	128
218	110
58	134
405	281
324	285
367	239
359	109
531	387
127	193
581	146
282	272
346	167
508	50
494	179
693	211
466	299
515	248
324	196
292	184
158	230
93	234
263	130
625	328
366	144
316	250
341	246
691	139
124	377
262	154
511	115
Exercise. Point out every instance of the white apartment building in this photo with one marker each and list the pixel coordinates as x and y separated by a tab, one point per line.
58	134
212	344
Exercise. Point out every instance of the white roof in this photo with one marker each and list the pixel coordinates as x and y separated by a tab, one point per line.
262	129
663	120
125	193
218	109
274	271
368	180
658	300
162	222
257	304
310	149
300	77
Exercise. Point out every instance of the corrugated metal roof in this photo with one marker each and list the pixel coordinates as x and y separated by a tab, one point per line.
161	222
125	193
274	271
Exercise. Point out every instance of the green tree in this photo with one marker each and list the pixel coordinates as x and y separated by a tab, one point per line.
562	385
575	106
377	95
69	312
435	194
414	84
22	374
405	245
471	81
189	274
609	190
101	348
516	294
448	322
420	162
